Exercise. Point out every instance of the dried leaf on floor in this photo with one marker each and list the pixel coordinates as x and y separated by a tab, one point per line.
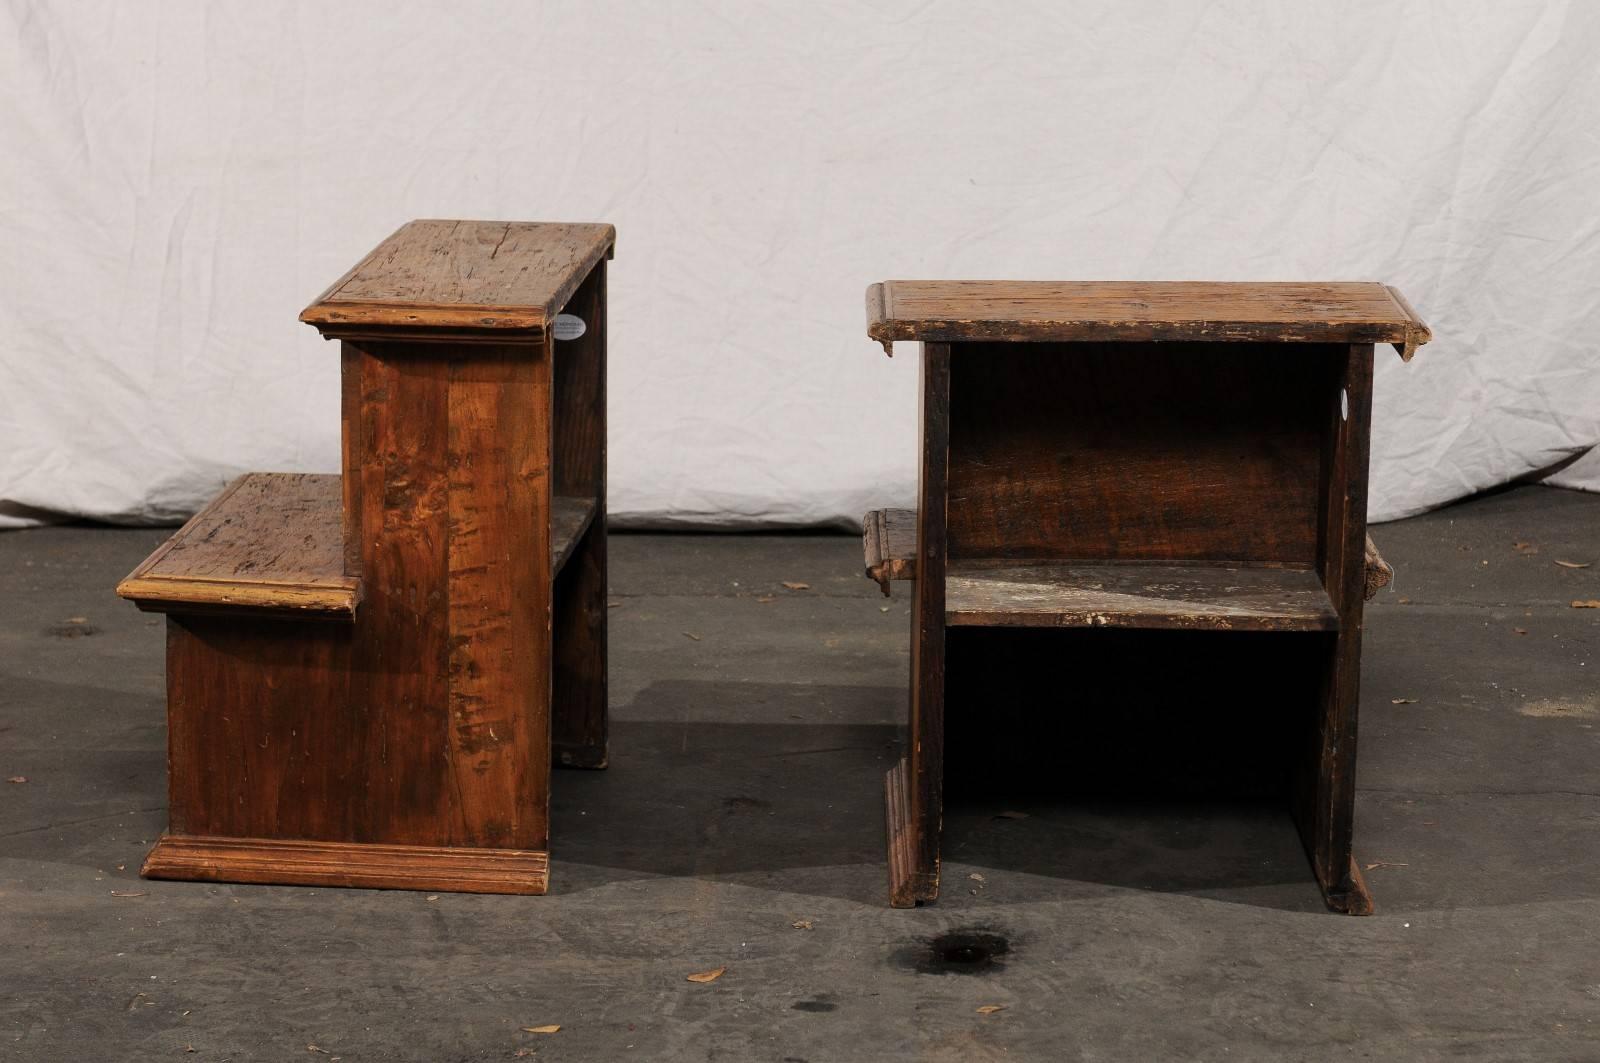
691	635
707	976
975	877
1402	701
1520	630
1385	863
796	585
767	598
801	924
18	778
1524	547
1574	564
554	1027
1591	603
990	1009
129	893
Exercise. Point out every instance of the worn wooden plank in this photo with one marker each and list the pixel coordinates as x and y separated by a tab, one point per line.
1175	451
1052	311
498	446
1324	791
320	863
468	281
569	519
918	880
889	543
271	543
1201	597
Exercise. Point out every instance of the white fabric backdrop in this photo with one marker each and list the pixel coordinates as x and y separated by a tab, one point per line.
179	179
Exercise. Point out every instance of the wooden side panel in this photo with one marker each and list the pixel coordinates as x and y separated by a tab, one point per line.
1179	451
1324	803
924	766
580	724
352	447
498	557
260	742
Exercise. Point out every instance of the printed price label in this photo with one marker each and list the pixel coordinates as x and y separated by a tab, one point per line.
569	327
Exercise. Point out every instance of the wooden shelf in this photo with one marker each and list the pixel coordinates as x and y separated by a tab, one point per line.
1202	597
271	543
569	519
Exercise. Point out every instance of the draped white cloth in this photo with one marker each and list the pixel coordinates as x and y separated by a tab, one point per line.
180	178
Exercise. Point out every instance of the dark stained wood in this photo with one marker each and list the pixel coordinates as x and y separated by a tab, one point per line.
1154	452
271	543
580	722
1196	597
1053	311
466	281
312	863
918	881
412	746
889	543
569	519
1183	465
1325	791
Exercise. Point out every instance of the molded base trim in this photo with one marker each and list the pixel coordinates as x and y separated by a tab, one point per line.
293	862
908	885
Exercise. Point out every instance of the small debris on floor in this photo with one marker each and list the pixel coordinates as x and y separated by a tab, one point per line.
796	585
1574	564
1384	863
1402	701
1011	815
975	877
766	599
129	893
1523	548
801	924
707	976
691	635
1591	603
17	779
990	1009
554	1027
1520	630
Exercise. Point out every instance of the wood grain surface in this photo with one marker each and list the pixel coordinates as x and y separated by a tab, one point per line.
270	543
957	311
470	281
1198	597
314	863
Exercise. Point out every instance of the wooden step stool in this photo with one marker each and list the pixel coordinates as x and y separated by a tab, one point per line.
369	675
1159	457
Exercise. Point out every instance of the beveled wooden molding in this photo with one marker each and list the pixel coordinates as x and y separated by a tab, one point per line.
1139	311
227	596
293	862
1417	333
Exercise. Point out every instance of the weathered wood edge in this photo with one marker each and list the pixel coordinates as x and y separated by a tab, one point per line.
1379	572
1417	333
461	323
878	319
201	595
561	549
198	594
906	888
884	565
1357	900
295	862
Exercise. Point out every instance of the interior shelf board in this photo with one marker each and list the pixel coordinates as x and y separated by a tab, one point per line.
570	517
1212	597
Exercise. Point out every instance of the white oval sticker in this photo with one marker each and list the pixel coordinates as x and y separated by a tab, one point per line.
569	327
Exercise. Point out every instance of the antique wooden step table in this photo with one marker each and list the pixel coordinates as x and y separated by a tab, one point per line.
1163	479
370	674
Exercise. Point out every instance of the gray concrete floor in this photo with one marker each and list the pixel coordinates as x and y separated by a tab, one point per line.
752	727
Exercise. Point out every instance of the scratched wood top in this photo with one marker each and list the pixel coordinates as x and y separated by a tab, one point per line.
1135	594
491	281
271	542
1062	311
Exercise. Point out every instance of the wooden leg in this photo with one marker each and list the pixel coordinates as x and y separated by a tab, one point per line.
915	786
581	719
1326	785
